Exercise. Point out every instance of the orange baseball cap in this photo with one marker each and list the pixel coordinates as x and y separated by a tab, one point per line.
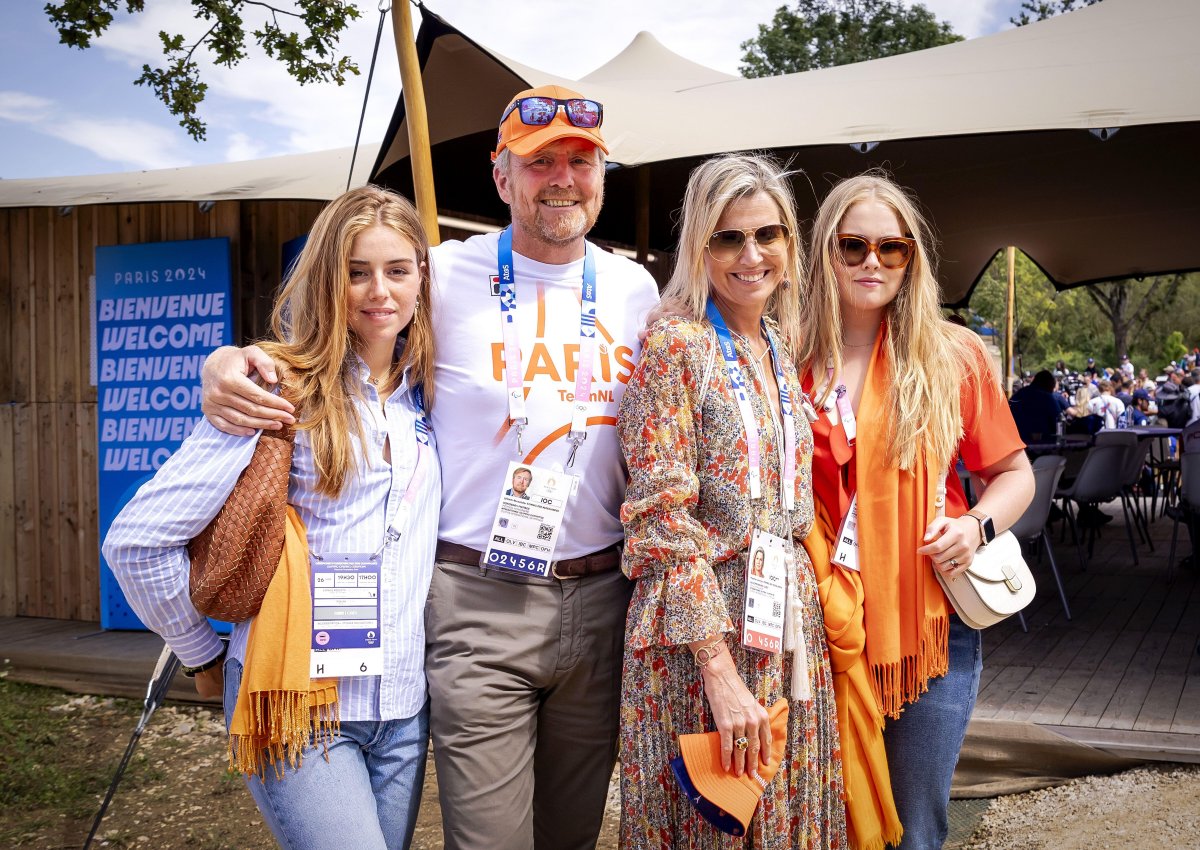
725	800
524	139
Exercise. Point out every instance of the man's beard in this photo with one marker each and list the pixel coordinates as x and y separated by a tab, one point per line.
565	228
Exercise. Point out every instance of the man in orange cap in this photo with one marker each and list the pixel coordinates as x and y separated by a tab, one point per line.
536	335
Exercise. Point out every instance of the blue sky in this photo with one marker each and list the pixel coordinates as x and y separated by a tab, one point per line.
65	111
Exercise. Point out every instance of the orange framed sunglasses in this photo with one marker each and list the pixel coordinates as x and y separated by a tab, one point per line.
893	252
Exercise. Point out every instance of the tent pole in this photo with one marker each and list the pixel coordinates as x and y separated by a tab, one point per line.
416	119
643	214
1010	302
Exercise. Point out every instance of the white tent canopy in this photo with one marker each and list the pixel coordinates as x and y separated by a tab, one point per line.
1007	139
308	176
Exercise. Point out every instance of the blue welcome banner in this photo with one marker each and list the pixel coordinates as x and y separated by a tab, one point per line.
160	309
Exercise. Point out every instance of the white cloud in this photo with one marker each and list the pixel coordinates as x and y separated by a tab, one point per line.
137	144
23	108
242	146
133	143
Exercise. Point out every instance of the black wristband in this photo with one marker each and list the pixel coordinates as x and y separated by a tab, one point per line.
191	672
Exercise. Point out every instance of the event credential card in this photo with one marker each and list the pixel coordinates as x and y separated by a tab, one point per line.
346	638
529	515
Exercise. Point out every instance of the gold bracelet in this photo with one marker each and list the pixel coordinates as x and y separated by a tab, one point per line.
705	654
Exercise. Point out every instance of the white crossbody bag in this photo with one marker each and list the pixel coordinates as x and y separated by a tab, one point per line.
998	583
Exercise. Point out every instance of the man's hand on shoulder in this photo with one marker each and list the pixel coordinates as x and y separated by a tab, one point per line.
233	402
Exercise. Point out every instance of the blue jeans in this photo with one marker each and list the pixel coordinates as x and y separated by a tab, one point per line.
365	795
923	744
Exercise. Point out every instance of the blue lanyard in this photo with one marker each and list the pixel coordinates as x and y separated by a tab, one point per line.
749	423
514	369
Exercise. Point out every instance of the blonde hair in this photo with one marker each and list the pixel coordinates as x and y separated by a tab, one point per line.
310	324
926	354
712	187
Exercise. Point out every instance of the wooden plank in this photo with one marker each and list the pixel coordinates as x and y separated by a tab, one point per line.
45	369
89	517
1160	703
1028	695
69	533
1096	695
1179	747
244	299
1187	714
1126	703
22	307
48	519
989	672
1078	670
65	343
999	690
25	505
150	224
129	224
9	565
85	267
6	307
179	221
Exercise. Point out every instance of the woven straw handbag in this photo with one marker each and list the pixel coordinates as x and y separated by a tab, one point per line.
236	555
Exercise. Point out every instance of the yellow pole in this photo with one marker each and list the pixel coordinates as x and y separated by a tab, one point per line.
1008	319
643	214
416	119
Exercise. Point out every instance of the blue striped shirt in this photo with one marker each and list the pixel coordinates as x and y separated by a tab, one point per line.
147	543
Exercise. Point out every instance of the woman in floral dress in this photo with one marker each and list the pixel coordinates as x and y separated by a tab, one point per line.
692	511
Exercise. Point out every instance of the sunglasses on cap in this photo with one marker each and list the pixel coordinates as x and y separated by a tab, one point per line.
540	111
725	245
893	252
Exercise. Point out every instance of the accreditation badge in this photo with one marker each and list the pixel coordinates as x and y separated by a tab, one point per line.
845	555
346	638
529	515
766	593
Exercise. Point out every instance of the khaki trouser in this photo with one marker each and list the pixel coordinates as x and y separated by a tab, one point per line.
524	683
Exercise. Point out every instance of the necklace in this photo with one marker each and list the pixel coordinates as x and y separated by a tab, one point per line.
862	345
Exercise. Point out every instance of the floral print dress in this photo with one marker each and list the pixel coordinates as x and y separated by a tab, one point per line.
688	520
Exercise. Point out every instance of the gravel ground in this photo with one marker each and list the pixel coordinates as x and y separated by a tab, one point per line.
183	798
1147	808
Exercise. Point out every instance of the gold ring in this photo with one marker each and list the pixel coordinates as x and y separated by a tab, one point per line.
741	743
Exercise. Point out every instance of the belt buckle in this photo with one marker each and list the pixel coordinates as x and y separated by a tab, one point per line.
554	572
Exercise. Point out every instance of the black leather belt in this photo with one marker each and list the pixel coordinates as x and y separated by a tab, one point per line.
604	561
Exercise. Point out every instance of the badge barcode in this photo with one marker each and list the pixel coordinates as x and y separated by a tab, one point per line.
777	609
545	532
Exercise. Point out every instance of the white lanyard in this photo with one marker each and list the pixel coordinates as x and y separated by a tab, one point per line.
749	423
844	408
398	519
514	368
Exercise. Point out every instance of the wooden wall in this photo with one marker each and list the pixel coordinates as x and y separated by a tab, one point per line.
49	548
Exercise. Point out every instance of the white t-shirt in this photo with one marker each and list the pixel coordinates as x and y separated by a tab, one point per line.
1110	407
470	411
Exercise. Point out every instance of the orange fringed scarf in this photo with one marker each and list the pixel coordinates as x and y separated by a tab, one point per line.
871	817
887	626
907	615
279	707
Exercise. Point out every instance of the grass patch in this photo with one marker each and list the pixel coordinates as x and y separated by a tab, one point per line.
35	768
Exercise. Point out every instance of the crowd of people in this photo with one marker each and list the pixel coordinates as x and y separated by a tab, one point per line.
1051	402
801	399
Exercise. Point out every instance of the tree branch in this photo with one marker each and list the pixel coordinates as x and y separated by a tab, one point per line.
1102	303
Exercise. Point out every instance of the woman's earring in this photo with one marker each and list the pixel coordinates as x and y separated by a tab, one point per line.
787	284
